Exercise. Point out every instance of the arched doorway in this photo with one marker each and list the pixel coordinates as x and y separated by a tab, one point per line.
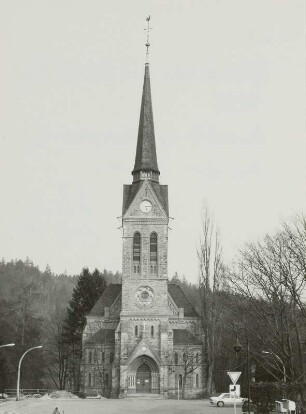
143	376
143	379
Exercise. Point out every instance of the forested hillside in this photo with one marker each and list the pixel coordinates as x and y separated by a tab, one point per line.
33	304
253	317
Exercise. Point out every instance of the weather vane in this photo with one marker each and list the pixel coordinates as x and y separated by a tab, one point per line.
148	28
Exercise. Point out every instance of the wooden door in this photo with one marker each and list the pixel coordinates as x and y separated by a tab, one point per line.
143	379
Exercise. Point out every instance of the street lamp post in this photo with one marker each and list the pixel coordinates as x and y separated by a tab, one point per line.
237	348
279	359
2	346
19	365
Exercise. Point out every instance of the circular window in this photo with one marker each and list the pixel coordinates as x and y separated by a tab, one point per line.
144	296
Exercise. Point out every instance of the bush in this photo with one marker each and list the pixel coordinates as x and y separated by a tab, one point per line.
264	394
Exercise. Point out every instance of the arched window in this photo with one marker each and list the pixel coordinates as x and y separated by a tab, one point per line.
111	358
136	252
153	253
152	330
103	357
89	379
197	358
136	330
197	380
89	357
106	379
180	381
176	358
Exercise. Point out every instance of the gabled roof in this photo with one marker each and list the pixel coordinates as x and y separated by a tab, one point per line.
181	300
184	337
146	149
161	192
113	290
130	191
103	337
106	299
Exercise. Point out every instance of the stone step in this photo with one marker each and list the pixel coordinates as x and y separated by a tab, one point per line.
145	396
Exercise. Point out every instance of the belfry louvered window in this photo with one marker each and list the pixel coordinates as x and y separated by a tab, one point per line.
153	253
136	252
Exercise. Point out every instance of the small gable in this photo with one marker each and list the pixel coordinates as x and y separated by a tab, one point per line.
181	300
107	298
144	189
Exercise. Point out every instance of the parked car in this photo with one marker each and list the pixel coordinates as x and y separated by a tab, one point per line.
225	399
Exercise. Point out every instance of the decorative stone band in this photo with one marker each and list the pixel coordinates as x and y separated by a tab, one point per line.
147	221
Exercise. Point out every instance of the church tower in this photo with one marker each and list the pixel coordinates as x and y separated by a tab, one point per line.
145	216
140	333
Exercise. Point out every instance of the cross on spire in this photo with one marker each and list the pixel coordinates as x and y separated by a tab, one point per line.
148	28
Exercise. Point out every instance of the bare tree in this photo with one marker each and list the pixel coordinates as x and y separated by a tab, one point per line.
56	356
191	360
211	278
270	275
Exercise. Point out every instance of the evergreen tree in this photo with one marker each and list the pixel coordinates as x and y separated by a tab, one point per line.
89	288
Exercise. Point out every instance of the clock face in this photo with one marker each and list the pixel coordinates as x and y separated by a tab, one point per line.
145	206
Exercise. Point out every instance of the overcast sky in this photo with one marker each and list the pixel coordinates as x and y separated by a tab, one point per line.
228	90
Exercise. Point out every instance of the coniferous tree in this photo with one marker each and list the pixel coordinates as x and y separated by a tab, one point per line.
89	288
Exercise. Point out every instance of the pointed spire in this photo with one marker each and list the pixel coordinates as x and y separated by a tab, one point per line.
146	160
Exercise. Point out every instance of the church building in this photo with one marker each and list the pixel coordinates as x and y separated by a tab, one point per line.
143	336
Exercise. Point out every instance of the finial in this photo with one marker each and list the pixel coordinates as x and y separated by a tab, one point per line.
148	28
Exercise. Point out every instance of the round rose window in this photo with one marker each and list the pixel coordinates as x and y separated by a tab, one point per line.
144	296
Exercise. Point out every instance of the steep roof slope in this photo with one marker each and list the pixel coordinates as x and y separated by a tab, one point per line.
184	337
103	336
106	299
181	300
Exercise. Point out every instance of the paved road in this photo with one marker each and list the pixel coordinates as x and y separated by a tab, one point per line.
126	406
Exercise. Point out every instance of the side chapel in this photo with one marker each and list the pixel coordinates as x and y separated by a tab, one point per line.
138	332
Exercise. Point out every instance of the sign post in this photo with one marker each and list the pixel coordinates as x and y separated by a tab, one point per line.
234	375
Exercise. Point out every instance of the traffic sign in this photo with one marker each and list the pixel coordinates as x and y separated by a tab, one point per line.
234	375
234	390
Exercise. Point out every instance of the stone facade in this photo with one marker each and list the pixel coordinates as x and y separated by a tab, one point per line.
140	335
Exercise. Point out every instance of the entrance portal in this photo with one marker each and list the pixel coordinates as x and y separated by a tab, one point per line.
143	379
143	376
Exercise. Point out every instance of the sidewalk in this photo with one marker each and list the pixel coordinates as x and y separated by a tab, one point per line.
11	407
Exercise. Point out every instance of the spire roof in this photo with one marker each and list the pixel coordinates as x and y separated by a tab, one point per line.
146	149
